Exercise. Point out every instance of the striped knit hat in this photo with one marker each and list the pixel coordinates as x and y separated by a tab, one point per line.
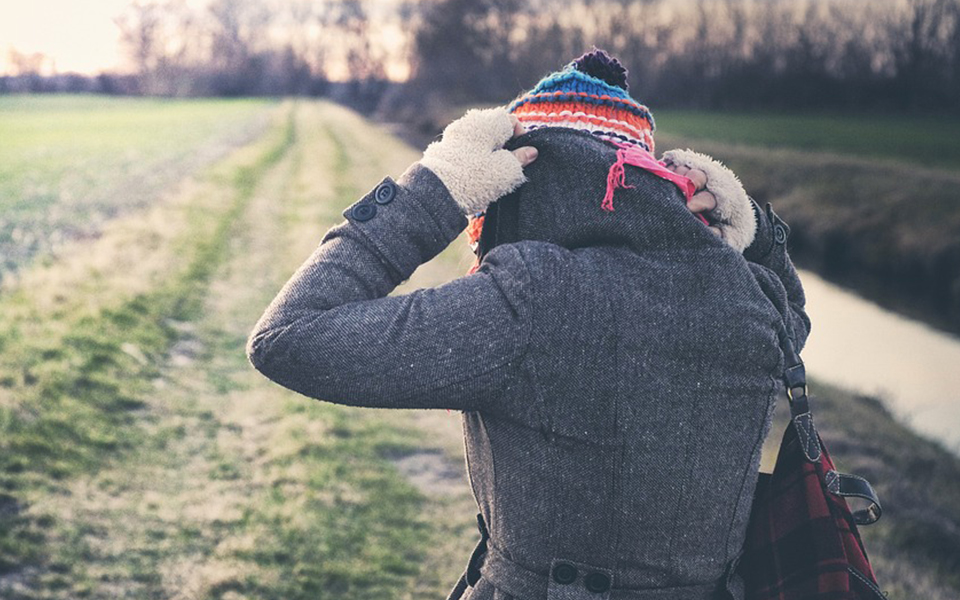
590	94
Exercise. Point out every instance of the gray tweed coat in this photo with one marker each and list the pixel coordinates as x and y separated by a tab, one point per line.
617	371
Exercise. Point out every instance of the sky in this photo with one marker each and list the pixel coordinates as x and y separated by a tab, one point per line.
80	36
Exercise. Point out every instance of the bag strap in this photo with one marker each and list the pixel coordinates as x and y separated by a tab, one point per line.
840	484
795	380
844	484
471	576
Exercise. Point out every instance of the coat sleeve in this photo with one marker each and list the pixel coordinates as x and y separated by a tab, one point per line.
774	271
333	333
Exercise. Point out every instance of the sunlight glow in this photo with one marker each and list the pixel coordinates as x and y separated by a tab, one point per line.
78	37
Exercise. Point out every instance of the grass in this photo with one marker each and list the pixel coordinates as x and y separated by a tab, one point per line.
80	385
932	141
70	163
93	355
141	456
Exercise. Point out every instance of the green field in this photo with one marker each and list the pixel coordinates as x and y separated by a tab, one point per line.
923	141
68	164
140	454
142	457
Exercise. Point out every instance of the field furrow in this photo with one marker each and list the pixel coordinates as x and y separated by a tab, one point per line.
187	474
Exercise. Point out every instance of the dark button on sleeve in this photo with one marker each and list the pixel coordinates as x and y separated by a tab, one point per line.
781	231
597	583
564	573
363	212
779	234
385	192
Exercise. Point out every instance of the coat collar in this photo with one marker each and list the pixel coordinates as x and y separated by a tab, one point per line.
561	201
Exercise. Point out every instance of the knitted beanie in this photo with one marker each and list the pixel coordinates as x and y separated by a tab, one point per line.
590	94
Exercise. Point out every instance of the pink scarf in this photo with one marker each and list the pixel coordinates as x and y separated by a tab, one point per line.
638	157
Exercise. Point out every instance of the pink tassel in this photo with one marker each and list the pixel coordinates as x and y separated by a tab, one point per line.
631	155
616	178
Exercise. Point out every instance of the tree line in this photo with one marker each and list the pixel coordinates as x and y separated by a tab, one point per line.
238	48
727	54
898	55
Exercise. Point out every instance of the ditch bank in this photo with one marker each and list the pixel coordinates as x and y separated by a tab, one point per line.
889	231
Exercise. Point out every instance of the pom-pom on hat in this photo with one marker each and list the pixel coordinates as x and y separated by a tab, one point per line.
589	94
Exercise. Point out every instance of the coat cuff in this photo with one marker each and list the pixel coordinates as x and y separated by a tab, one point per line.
772	232
407	222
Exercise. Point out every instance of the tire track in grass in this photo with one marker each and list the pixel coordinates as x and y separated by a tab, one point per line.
220	484
75	381
436	465
365	534
324	512
143	457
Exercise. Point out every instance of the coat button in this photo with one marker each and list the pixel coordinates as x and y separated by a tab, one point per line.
363	212
564	573
385	192
779	233
597	583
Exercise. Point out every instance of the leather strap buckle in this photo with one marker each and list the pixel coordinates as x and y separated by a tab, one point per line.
802	394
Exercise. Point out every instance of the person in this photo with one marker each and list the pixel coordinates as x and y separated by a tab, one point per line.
616	359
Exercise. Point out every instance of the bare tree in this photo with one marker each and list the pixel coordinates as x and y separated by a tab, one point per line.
32	64
140	32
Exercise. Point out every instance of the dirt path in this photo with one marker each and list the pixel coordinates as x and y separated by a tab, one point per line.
235	488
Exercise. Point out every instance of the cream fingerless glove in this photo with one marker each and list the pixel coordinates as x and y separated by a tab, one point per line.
734	212
471	162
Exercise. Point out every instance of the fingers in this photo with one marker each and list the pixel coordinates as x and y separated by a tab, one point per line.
698	177
733	206
526	155
678	169
702	202
518	128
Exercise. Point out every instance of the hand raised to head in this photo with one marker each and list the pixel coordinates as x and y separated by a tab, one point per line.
720	197
471	161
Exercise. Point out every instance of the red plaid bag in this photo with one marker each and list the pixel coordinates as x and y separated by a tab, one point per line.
802	540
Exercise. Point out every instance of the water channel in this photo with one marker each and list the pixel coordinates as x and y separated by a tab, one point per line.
912	368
